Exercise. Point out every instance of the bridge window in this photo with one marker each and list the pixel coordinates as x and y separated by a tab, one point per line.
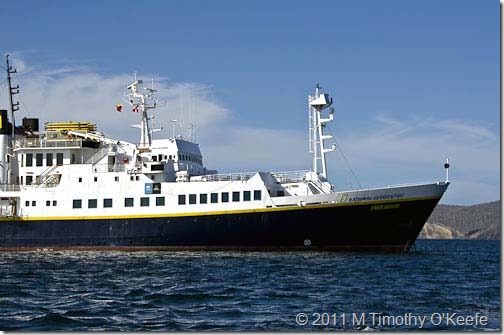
203	198
214	198
48	203
80	179
77	203
128	202
92	203
257	195
160	201
236	196
34	203
181	199
144	202
49	159
59	158
246	195
95	179
29	159
107	203
27	203
39	159
192	199
54	203
29	180
280	193
225	197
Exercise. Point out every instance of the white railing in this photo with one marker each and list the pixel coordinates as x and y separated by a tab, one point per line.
324	188
37	143
97	156
104	168
281	177
240	176
290	176
10	187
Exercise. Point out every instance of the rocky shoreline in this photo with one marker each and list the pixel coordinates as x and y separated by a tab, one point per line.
482	221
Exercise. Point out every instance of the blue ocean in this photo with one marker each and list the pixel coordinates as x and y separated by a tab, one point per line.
443	285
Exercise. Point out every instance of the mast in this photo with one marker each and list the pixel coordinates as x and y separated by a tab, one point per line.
14	106
316	104
141	103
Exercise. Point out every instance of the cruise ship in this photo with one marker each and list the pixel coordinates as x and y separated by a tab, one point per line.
69	186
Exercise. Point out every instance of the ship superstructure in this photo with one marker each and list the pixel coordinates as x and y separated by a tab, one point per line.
70	186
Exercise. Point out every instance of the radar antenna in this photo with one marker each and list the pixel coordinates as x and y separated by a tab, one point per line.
141	103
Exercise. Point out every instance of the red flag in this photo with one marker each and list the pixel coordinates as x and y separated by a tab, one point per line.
118	107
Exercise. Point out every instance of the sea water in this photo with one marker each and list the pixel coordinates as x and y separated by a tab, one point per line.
449	285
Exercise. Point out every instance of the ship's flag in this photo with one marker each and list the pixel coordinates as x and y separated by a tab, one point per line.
118	107
135	109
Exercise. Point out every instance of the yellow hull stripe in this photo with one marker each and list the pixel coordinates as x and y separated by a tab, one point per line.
236	211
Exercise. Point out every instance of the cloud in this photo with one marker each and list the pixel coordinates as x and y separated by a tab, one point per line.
78	94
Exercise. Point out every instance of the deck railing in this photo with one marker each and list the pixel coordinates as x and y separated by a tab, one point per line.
290	176
37	143
281	177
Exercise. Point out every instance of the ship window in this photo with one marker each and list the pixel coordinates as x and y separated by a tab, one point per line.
160	201
280	193
95	179
59	158
39	159
107	203
34	203
27	203
73	159
49	159
181	199
214	198
160	158
131	178
29	159
29	180
80	179
77	203
257	195
192	199
236	196
48	203
154	158
144	202
92	203
137	177
224	197
128	202
246	195
54	203
203	198
116	178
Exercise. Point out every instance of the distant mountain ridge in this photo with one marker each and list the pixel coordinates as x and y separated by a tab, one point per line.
482	221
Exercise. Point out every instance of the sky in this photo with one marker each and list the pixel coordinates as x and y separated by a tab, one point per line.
413	82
